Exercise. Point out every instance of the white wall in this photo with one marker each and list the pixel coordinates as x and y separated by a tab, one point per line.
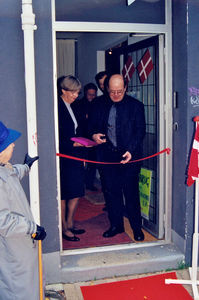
89	45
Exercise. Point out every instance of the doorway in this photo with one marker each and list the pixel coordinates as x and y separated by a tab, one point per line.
148	93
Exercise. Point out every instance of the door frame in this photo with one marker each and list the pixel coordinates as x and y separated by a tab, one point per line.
166	111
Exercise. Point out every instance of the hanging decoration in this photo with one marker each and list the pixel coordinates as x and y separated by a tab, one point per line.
193	169
145	66
128	69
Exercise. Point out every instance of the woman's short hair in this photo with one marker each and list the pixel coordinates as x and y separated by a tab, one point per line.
68	83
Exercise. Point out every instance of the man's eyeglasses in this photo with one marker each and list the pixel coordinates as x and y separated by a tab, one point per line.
119	93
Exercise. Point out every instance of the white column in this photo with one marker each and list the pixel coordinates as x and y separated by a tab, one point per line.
28	27
100	65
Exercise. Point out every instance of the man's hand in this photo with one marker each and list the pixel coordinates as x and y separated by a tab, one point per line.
40	234
30	160
127	157
99	138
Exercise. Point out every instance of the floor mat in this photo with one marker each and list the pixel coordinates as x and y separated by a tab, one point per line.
145	288
95	227
87	210
96	198
92	218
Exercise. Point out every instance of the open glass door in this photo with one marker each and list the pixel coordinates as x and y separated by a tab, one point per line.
148	91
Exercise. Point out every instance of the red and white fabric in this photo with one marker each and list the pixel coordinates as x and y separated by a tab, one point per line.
145	66
128	69
193	169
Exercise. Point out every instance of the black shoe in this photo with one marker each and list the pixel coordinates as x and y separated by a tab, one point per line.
77	231
112	232
138	235
91	188
70	238
104	208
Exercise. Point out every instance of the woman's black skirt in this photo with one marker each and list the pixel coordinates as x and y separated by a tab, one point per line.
72	178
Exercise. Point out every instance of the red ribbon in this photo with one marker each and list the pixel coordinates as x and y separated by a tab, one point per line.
167	150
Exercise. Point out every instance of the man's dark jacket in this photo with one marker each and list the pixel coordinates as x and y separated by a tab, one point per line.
130	123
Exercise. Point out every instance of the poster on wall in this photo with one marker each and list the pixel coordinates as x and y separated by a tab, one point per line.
145	191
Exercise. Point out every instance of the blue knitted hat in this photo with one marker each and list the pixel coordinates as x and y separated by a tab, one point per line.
7	136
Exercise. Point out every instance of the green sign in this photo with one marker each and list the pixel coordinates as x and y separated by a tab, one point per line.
145	190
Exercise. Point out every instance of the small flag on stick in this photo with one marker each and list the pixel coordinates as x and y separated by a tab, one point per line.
145	66
193	169
128	69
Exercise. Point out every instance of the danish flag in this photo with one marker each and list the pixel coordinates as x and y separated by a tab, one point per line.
128	69
145	66
193	169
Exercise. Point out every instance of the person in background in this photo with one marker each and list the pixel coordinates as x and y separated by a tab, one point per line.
119	130
19	274
71	171
98	104
82	108
100	78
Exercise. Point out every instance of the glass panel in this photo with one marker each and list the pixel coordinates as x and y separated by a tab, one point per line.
111	11
145	95
151	95
145	92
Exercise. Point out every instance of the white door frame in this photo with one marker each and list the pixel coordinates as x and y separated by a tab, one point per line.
166	96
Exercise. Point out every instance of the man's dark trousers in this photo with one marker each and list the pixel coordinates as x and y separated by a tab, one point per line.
122	183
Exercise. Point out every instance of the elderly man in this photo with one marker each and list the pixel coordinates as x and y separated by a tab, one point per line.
119	129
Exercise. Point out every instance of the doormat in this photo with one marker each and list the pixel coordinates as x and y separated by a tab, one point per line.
145	288
87	210
95	221
95	227
96	198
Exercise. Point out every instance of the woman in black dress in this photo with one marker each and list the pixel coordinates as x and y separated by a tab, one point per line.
71	171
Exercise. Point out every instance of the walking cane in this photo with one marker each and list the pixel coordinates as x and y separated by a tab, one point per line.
40	268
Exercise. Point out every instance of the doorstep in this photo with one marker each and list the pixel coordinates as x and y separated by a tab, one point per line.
140	259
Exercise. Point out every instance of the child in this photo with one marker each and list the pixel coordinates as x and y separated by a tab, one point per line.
19	275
